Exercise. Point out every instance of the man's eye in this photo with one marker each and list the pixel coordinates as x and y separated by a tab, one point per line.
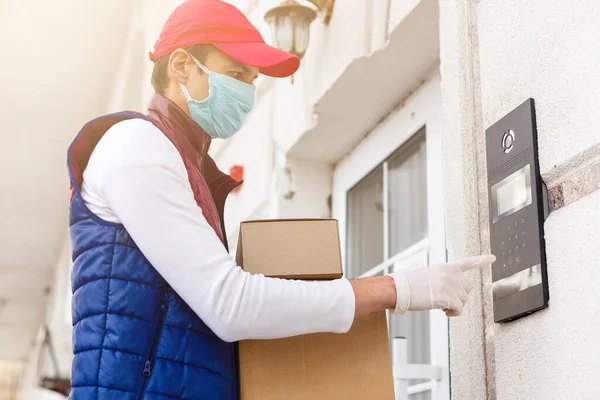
235	74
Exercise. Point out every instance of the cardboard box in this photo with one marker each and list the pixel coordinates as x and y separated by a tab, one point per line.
294	249
324	366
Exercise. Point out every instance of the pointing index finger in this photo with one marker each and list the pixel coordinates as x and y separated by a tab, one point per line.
470	263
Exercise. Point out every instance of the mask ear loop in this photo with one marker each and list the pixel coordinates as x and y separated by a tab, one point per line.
186	93
200	65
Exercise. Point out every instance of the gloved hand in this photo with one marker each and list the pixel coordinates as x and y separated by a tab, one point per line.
443	286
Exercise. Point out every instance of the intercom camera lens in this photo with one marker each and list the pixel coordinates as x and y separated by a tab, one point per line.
508	140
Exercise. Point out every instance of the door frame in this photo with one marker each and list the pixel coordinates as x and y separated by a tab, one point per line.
421	109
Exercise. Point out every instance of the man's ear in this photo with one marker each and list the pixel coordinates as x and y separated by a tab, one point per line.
179	66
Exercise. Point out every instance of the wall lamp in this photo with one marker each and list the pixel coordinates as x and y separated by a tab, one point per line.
290	23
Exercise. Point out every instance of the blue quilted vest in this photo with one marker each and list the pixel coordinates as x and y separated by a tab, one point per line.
133	336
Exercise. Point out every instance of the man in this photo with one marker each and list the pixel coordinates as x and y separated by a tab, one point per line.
157	300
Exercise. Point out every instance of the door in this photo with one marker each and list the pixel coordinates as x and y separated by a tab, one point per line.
388	198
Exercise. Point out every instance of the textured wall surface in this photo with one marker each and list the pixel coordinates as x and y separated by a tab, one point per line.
548	50
462	118
553	354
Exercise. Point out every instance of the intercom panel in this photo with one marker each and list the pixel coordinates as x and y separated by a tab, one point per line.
518	208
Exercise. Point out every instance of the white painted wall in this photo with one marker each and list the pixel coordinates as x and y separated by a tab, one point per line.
549	50
286	111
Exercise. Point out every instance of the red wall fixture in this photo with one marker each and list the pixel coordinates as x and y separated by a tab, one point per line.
237	173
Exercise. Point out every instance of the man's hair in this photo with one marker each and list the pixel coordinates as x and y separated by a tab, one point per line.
160	78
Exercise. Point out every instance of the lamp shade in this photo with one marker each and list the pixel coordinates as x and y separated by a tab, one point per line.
290	24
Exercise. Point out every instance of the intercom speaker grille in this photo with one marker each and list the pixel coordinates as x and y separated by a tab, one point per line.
518	159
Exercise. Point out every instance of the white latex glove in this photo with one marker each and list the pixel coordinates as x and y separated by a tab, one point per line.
443	286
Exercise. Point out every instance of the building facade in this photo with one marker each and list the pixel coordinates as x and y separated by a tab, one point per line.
383	129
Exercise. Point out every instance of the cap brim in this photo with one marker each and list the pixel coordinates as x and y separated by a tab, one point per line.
270	60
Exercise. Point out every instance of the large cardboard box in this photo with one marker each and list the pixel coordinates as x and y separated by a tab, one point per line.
324	366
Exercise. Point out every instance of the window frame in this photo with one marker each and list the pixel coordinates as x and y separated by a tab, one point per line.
421	110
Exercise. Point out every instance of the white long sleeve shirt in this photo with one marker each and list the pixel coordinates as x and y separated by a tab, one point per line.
135	176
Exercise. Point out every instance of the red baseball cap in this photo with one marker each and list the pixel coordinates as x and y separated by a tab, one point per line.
222	25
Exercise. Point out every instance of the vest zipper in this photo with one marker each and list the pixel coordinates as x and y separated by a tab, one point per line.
149	364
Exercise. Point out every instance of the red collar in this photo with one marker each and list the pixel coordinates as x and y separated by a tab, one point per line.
179	127
192	141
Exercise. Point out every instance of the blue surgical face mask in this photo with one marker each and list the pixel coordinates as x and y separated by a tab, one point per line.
228	103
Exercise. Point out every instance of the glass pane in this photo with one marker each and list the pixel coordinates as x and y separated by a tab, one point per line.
414	326
420	396
284	33
407	194
365	224
301	34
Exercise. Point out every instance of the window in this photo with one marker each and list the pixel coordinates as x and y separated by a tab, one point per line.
391	203
407	193
387	230
365	224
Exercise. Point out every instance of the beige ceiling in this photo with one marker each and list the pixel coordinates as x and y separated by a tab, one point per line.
58	65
